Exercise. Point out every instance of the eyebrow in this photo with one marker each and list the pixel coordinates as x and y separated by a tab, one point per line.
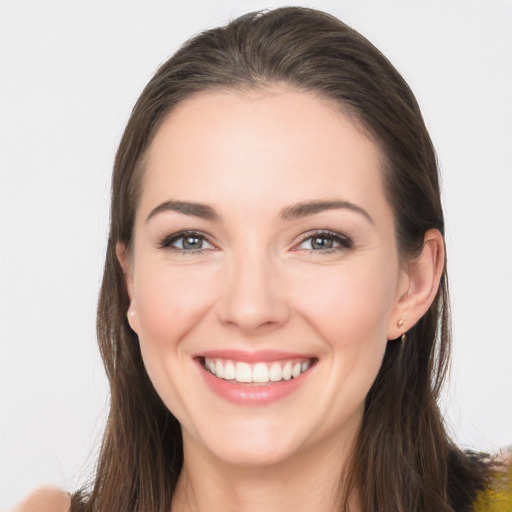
202	211
311	207
292	212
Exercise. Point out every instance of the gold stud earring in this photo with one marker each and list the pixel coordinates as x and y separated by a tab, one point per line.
400	325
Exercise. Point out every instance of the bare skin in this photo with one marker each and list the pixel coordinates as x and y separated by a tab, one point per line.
308	481
46	499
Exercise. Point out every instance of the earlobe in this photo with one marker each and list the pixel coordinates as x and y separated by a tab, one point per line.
423	279
130	316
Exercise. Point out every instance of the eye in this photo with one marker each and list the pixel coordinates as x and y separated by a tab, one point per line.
324	241
186	241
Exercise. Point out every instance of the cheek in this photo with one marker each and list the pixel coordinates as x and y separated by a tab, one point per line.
349	306
350	311
169	302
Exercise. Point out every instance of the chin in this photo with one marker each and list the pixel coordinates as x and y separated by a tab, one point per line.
255	455
250	443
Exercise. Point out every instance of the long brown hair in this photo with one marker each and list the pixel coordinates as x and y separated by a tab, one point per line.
403	459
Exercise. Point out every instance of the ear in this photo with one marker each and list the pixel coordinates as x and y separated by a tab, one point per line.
124	260
419	285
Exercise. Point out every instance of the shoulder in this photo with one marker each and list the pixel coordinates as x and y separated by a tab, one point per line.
46	499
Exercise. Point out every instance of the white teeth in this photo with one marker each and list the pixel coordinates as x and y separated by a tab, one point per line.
287	371
243	372
219	369
260	373
276	373
229	371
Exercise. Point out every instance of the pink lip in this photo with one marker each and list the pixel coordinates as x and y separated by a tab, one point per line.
251	394
252	357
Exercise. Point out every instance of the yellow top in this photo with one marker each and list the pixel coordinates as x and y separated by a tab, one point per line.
498	497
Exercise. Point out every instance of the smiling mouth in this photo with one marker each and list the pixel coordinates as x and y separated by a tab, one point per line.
257	374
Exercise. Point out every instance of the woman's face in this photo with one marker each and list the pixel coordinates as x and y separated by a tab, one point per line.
264	252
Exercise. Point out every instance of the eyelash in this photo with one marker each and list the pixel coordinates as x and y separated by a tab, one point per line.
343	241
166	243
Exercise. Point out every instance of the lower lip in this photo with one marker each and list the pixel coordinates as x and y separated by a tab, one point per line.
253	394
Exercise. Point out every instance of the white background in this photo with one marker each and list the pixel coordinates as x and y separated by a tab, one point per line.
70	72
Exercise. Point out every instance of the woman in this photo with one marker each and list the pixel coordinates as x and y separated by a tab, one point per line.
274	312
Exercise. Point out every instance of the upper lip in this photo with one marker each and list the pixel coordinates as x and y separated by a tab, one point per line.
252	356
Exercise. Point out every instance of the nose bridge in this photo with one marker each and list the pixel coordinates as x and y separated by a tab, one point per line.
253	299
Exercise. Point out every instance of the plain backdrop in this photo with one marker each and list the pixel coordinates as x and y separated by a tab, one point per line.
70	72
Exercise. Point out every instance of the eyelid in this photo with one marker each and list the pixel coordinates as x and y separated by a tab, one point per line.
167	241
345	241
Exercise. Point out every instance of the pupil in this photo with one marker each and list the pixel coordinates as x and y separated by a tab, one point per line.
322	243
192	242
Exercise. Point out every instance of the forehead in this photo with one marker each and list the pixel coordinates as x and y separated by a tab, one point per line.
260	146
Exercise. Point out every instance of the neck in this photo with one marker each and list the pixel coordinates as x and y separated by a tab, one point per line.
310	480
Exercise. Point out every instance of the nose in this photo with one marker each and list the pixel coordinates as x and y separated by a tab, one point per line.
253	299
